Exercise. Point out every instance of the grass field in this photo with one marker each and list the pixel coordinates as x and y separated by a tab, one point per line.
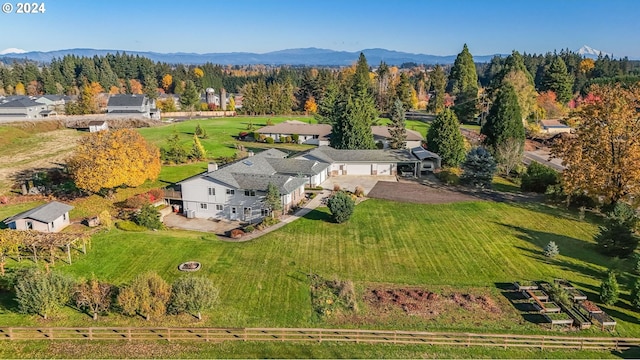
471	246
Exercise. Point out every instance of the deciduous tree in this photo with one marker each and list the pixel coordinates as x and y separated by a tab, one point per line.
167	82
147	295
42	293
108	159
273	200
310	106
193	294
93	295
602	159
445	139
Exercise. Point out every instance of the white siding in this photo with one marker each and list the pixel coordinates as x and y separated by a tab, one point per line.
359	169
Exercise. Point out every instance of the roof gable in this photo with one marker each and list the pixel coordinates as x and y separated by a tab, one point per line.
44	213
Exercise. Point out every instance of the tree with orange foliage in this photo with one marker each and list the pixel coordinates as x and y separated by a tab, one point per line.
34	88
586	65
167	82
310	106
136	86
108	159
550	107
603	158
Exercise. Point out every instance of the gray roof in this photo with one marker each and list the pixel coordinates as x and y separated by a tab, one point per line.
330	155
97	122
20	103
383	132
297	127
284	183
422	153
298	166
126	100
44	213
53	97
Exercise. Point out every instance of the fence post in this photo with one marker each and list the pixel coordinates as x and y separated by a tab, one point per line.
320	336
90	333
245	334
129	334
395	336
206	334
468	340
542	345
505	343
10	333
50	333
168	334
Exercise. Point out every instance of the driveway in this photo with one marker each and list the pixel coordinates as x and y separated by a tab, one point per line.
349	182
543	157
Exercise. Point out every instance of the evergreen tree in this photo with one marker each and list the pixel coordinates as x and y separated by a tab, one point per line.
273	200
341	206
403	91
551	250
635	294
609	289
197	151
190	97
444	138
361	81
504	120
478	168
463	83
438	83
558	80
397	128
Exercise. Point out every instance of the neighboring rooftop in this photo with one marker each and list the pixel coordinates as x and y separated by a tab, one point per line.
330	155
297	127
44	213
126	100
20	103
383	132
552	124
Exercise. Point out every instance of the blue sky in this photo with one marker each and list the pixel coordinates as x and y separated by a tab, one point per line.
438	27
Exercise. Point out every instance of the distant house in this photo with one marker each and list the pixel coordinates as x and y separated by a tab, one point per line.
554	127
24	108
313	134
98	125
53	102
51	217
126	105
236	191
381	134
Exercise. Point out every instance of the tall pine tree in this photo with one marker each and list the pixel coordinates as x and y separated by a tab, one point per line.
504	120
463	83
445	139
438	88
557	79
397	128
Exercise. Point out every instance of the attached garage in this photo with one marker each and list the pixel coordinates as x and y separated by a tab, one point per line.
358	169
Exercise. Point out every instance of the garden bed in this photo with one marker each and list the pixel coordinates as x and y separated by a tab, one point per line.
559	319
590	307
551	307
525	285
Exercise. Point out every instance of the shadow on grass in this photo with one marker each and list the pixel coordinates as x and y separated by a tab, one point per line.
521	303
8	301
632	353
318	215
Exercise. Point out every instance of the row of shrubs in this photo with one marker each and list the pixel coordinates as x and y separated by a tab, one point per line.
46	292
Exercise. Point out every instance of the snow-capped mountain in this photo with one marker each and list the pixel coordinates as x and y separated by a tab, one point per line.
588	51
12	51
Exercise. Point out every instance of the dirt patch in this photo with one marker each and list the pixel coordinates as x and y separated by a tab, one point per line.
45	151
416	193
427	304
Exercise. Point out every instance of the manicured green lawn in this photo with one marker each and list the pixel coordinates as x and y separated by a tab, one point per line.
222	132
467	246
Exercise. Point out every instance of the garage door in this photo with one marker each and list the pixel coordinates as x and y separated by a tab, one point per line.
358	169
384	169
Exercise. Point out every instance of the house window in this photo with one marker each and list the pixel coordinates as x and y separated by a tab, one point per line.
265	212
212	191
29	225
219	207
233	210
52	225
203	206
247	211
64	216
249	193
230	191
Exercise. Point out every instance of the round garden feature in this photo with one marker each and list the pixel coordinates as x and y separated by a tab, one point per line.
189	266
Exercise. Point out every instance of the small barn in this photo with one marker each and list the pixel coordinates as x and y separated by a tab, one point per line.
98	125
50	217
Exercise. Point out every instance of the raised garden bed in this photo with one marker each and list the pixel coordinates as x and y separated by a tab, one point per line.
559	319
551	307
578	317
541	295
590	307
525	285
563	283
575	294
604	320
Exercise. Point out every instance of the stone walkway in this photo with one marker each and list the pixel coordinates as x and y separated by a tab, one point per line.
284	220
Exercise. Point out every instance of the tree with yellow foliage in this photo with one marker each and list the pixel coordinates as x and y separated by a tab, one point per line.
167	81
310	106
198	73
19	89
603	158
108	159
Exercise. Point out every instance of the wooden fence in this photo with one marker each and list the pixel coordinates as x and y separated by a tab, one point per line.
318	335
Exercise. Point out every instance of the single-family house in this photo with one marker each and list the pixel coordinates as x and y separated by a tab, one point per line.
236	191
23	108
98	125
132	105
554	127
50	217
365	162
381	134
53	102
313	134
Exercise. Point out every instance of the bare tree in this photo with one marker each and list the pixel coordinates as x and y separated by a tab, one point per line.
509	155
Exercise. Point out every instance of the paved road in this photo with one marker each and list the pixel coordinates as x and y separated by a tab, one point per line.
542	158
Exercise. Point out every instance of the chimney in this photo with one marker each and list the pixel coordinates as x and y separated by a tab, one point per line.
212	167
